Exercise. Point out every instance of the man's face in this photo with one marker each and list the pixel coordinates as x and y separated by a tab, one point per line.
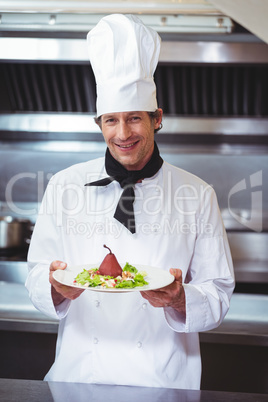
130	137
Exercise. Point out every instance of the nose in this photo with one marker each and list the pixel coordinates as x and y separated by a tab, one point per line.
123	131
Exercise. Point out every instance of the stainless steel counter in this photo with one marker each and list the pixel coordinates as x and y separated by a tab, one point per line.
17	313
246	322
31	391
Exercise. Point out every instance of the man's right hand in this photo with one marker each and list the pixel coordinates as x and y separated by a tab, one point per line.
60	292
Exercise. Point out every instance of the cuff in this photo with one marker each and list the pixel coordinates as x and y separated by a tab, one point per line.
196	312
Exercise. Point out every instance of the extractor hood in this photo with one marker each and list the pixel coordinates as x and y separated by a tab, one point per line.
210	79
77	22
163	15
252	14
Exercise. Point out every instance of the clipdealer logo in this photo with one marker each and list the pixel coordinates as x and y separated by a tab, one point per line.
112	227
254	221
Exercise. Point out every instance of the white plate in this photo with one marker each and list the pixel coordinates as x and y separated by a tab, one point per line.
156	278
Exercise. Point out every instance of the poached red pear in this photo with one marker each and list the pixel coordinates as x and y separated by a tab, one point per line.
110	265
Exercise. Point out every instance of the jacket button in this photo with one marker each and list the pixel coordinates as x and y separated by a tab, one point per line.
139	344
144	306
95	341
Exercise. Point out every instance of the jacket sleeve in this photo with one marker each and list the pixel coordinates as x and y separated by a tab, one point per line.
209	282
46	246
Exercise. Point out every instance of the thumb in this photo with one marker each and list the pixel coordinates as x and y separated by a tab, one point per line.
57	265
177	273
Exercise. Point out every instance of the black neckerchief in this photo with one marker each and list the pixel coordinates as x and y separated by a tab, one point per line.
124	212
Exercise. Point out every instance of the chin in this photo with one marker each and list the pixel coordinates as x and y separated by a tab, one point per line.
128	165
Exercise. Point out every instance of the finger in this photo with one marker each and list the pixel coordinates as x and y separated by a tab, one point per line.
144	295
152	294
148	296
177	273
155	302
57	265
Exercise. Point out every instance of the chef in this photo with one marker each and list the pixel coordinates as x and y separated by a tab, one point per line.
149	213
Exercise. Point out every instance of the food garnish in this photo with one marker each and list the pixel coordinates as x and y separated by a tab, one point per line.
130	278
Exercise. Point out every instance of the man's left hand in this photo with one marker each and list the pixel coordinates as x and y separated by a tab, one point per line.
170	296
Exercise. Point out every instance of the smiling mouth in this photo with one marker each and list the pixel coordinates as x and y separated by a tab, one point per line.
127	146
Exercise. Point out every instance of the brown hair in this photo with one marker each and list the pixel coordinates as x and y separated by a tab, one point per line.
152	115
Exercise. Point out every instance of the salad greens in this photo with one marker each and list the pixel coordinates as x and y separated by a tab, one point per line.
130	268
137	281
131	278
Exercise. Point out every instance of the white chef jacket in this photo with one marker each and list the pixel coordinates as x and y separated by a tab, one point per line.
120	338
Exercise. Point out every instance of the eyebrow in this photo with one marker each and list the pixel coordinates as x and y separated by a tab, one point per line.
107	116
113	115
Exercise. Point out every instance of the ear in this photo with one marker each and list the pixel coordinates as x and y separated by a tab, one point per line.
158	120
98	121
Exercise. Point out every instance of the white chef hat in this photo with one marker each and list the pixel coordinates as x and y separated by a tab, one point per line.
124	54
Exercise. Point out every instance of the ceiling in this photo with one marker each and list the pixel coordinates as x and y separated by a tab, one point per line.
251	14
107	6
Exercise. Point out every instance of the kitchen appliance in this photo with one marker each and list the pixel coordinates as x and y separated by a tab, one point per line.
15	233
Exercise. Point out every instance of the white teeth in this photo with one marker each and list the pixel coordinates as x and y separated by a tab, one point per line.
127	146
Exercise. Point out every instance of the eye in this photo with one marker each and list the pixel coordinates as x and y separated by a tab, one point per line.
135	118
110	120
